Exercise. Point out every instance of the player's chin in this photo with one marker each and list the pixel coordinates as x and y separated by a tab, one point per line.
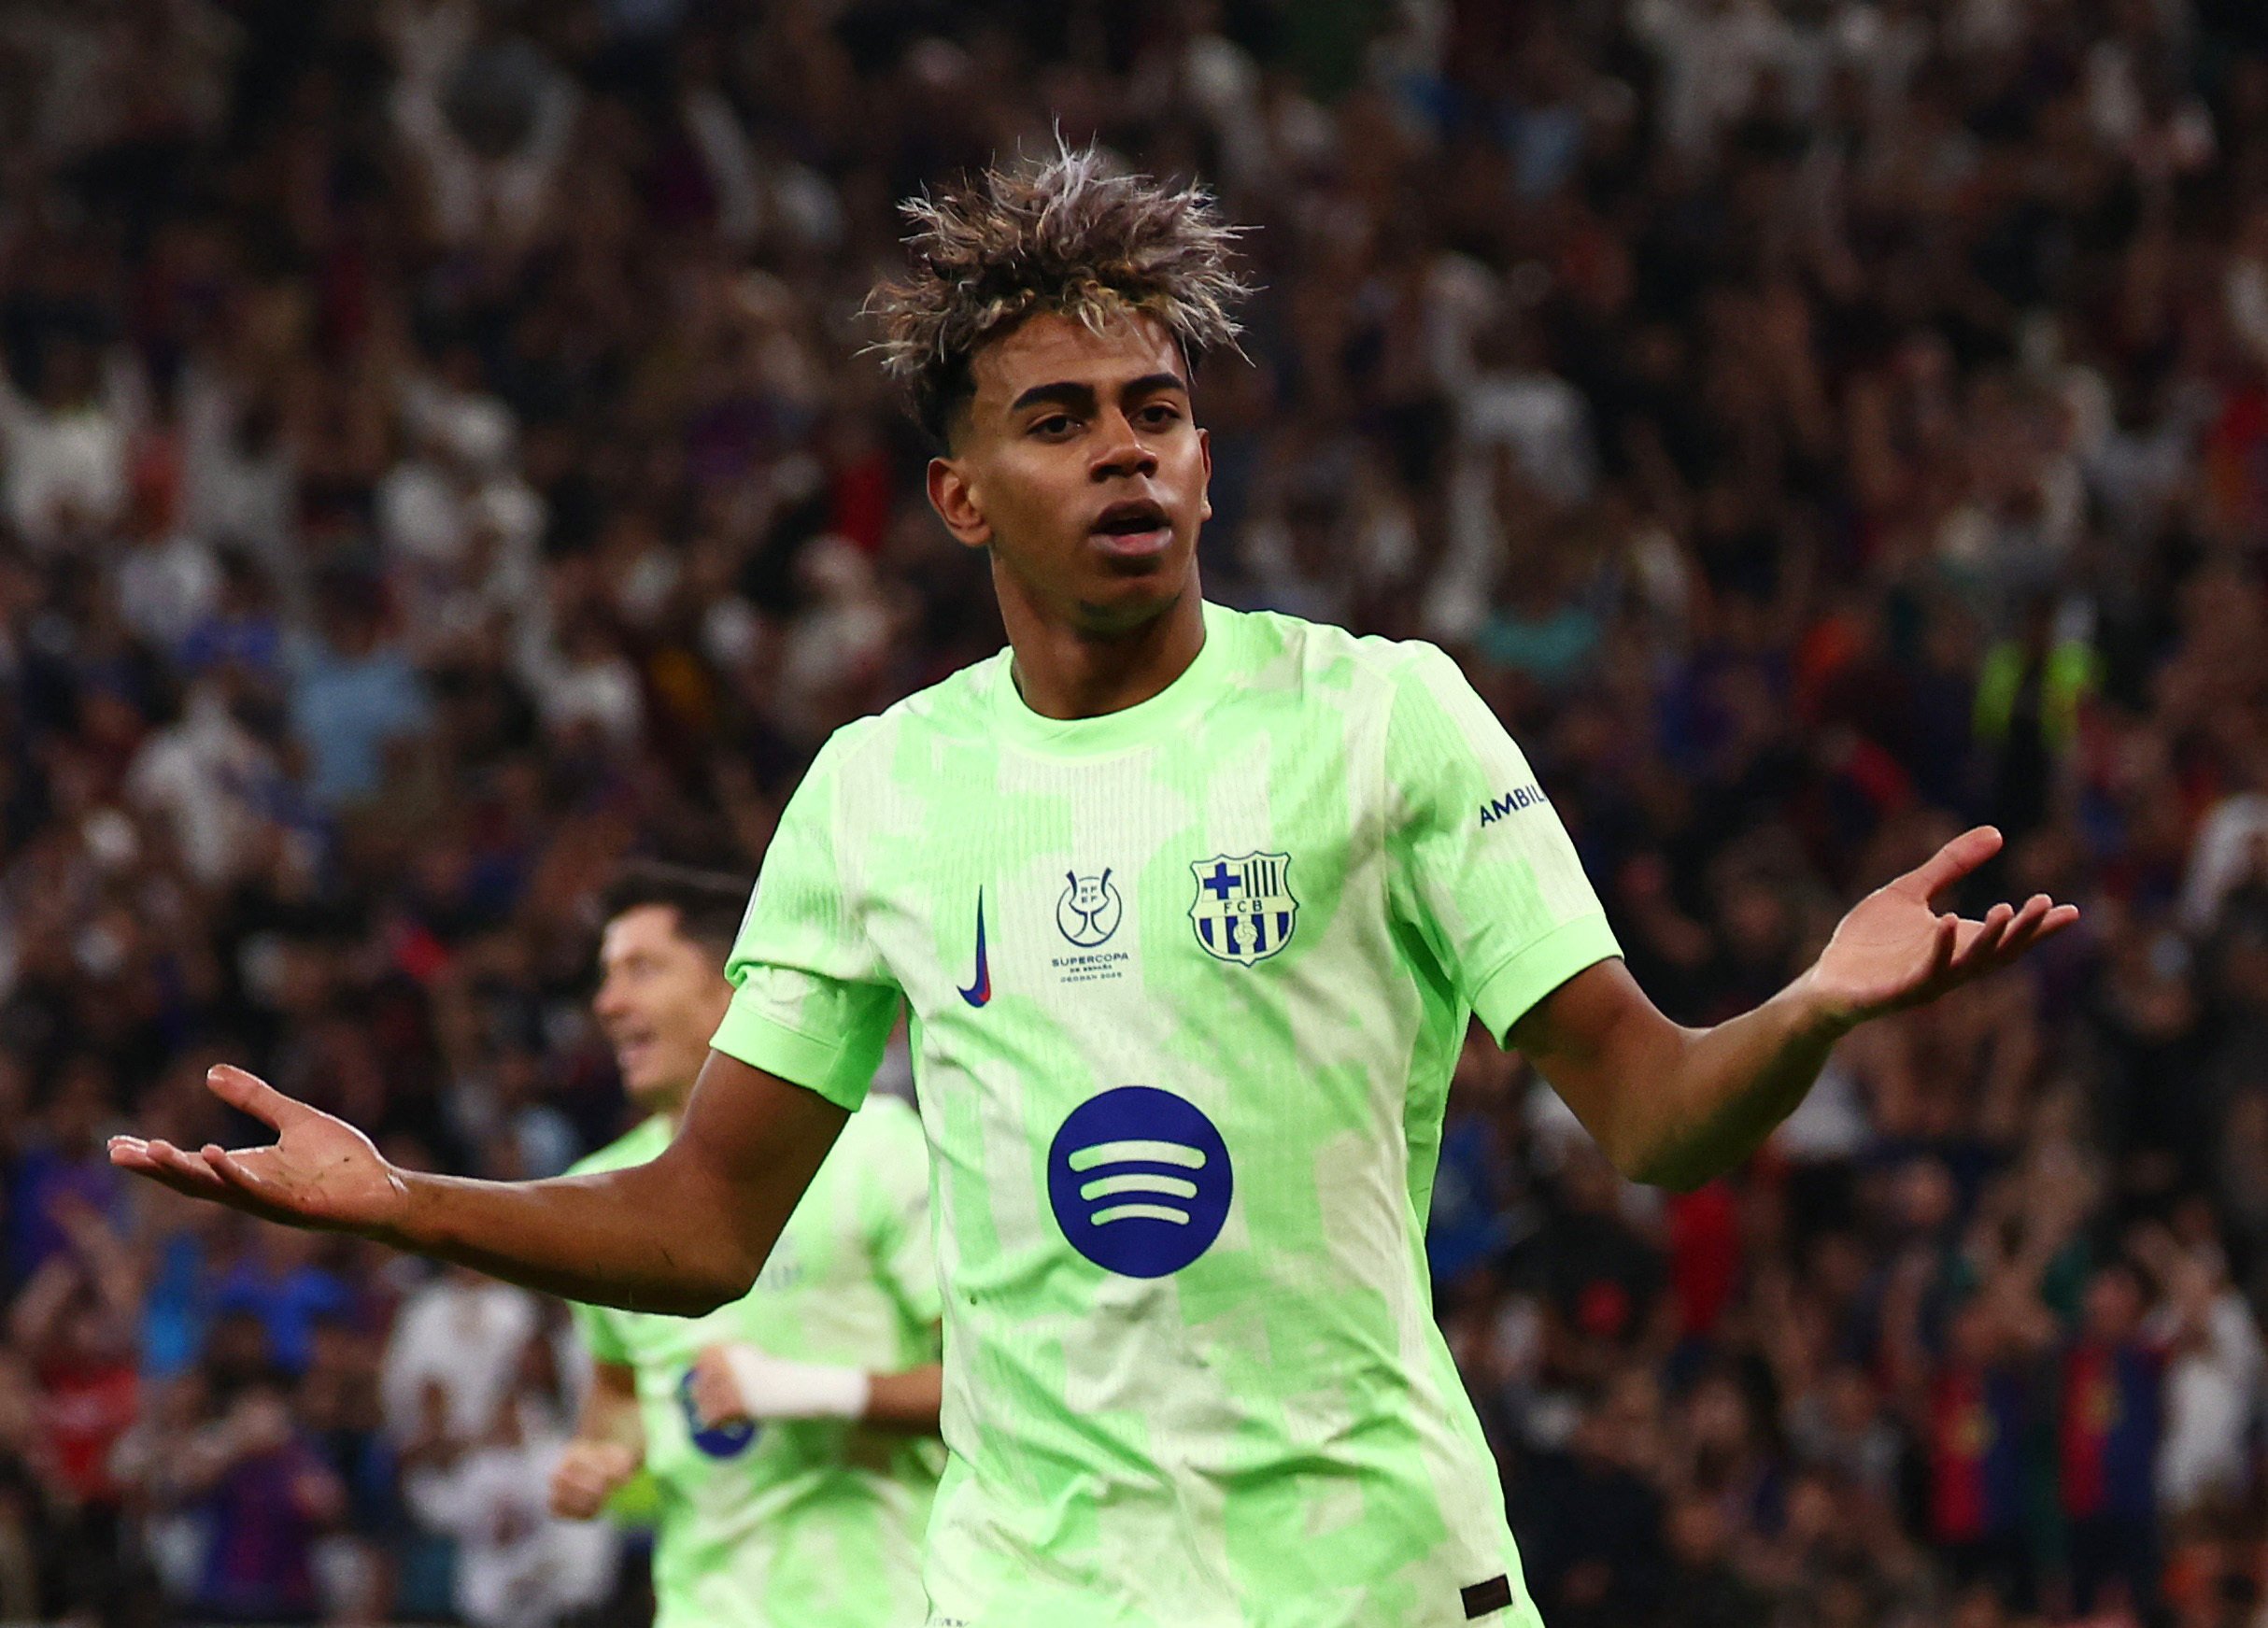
647	1087
1125	591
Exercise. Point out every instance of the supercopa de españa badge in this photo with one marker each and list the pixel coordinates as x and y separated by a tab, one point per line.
1244	911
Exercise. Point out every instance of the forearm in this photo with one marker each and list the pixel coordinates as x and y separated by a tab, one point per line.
610	1408
744	1381
1670	1105
1701	1100
683	1235
651	1238
906	1402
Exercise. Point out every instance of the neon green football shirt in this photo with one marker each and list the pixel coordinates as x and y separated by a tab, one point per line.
795	1523
1186	984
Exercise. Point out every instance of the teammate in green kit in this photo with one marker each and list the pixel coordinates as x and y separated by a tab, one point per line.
791	1434
1190	910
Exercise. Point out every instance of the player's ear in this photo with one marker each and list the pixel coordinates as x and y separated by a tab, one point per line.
952	495
1204	451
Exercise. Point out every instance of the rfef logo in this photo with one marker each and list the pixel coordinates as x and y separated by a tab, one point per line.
1139	1182
1088	912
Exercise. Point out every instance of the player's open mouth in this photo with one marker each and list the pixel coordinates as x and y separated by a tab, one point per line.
1137	529
631	1050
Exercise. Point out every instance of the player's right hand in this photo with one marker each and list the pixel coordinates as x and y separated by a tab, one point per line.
319	1171
587	1475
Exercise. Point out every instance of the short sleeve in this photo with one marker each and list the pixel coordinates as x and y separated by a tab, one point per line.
600	1337
811	1002
1482	866
896	1207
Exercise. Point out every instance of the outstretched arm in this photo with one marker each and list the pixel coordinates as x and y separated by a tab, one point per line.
1677	1106
684	1233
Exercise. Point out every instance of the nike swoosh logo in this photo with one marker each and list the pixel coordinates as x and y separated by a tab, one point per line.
980	991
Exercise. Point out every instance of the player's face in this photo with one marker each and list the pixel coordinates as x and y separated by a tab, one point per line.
661	997
1078	464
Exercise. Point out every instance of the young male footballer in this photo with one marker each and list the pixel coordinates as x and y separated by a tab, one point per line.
1189	908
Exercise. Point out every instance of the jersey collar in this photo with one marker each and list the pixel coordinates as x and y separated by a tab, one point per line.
1144	724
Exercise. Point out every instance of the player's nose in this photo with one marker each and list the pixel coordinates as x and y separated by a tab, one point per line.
1122	452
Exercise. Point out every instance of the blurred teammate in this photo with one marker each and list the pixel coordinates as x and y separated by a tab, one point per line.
790	1432
1190	909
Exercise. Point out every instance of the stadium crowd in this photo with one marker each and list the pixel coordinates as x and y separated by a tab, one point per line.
435	464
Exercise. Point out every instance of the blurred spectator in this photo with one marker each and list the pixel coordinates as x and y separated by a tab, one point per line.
519	1567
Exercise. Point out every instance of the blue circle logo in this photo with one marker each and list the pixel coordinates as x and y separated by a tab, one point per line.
724	1441
1139	1182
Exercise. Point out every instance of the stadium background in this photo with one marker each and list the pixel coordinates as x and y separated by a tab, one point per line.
435	465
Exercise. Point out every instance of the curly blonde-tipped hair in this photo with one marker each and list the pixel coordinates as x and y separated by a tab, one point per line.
1063	237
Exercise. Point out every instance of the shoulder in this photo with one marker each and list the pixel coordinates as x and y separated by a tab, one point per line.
953	708
1316	657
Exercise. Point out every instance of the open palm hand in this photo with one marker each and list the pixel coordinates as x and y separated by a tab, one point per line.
1893	950
320	1172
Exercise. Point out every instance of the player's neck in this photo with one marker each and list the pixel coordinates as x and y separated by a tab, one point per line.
1066	671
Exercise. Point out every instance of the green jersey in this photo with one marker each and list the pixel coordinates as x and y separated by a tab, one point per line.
795	1523
1186	984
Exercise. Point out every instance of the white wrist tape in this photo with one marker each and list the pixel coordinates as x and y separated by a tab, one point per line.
776	1388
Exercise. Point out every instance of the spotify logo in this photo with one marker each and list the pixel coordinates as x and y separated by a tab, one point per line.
1139	1182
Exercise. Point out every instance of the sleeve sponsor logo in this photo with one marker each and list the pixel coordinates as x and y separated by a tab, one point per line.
1513	801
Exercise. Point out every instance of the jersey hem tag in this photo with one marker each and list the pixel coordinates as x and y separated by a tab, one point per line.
1483	1598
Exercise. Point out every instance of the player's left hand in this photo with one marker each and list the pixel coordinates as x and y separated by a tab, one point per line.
716	1395
1893	950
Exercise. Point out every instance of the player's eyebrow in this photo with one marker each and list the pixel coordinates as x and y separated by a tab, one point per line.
1151	382
1075	397
1063	393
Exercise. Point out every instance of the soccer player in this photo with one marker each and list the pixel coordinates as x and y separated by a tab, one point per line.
790	1432
1190	909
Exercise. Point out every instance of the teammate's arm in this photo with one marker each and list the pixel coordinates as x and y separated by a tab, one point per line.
1678	1106
684	1233
735	1382
907	1401
607	1446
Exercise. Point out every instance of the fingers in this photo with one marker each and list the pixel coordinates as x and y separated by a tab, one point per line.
250	1093
169	1166
1953	861
578	1489
2024	932
2051	921
2006	933
587	1475
231	1172
189	1172
574	1497
1979	945
1941	954
716	1397
716	1400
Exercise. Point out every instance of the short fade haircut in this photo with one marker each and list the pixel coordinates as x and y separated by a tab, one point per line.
1063	237
709	904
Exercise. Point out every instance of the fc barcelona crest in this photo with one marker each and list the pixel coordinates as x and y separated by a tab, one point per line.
1244	911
